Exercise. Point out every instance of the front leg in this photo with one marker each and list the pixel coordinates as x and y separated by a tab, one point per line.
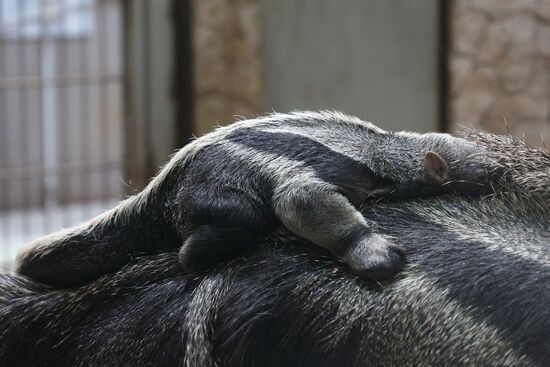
318	213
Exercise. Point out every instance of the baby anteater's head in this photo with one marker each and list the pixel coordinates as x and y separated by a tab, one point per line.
458	164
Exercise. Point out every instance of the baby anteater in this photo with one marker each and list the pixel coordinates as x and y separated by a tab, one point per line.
309	171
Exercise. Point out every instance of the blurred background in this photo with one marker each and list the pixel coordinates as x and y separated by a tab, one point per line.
96	94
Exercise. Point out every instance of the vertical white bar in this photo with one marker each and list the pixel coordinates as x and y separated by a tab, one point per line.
49	118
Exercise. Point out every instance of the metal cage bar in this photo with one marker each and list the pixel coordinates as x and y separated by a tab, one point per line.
62	82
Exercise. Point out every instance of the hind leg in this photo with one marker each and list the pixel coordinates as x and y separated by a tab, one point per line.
224	223
210	245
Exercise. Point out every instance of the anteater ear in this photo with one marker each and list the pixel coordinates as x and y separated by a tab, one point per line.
436	170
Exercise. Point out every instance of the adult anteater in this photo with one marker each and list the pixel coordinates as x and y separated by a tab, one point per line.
475	291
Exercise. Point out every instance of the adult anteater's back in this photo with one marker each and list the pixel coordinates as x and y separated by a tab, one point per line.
475	292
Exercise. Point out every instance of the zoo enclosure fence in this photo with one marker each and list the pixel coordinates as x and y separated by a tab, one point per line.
61	115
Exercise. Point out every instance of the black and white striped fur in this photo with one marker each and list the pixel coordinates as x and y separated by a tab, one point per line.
474	292
310	171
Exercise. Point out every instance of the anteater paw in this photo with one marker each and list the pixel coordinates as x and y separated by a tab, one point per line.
375	257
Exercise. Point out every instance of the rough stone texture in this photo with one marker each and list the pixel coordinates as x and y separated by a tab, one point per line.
227	61
500	67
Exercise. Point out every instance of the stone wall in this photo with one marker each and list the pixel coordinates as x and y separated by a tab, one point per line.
500	66
227	60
